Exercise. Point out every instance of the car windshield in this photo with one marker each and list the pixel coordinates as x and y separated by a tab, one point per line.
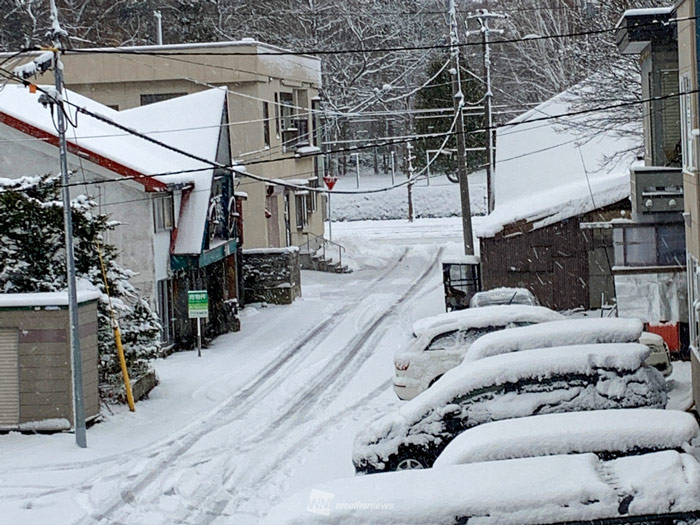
459	338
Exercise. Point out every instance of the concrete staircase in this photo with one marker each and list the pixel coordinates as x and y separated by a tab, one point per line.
315	255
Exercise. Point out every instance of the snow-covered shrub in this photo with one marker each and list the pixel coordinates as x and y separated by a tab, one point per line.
32	259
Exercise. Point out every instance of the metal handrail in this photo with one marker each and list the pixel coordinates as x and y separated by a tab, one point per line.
325	241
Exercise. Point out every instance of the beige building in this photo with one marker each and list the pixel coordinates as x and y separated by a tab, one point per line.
686	11
274	124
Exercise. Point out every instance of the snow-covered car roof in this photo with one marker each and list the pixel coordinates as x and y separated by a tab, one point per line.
489	372
556	333
499	315
505	296
615	432
543	490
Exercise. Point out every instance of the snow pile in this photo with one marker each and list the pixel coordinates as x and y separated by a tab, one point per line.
542	490
612	431
547	171
556	333
500	315
616	378
440	199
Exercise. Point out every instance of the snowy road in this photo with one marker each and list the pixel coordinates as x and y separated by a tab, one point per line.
262	414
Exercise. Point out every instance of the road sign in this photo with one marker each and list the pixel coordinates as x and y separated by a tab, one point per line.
198	304
330	181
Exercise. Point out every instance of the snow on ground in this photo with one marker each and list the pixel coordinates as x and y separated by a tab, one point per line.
439	199
262	414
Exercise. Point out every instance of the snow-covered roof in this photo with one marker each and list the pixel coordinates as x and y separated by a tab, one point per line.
195	119
647	11
552	489
555	333
499	315
17	300
615	431
546	171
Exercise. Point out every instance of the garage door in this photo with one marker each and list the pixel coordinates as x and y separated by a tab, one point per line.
9	378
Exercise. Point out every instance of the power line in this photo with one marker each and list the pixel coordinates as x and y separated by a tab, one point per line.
309	52
237	167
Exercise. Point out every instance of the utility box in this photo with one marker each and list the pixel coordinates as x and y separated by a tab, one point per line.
36	389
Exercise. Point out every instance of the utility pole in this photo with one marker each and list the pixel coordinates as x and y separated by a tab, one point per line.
159	27
76	356
484	16
458	100
409	147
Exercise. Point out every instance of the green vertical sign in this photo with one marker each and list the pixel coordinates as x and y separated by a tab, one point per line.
198	304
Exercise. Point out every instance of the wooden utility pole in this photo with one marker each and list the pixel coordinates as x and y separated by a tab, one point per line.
458	100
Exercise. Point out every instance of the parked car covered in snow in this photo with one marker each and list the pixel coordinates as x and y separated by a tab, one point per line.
520	384
504	295
660	357
605	433
442	340
571	332
660	488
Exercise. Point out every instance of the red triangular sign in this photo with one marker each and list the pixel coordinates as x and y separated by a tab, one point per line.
330	181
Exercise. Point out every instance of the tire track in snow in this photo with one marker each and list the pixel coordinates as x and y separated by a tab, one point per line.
313	398
235	408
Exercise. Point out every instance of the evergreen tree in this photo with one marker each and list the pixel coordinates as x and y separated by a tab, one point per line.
32	259
438	95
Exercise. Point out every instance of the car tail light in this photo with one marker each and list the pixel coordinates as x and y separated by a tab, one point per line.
401	364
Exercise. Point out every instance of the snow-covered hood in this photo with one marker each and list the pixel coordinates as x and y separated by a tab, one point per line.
498	315
616	431
541	490
556	333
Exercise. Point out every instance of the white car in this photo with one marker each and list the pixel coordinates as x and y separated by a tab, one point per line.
606	433
660	357
574	331
503	296
660	488
442	340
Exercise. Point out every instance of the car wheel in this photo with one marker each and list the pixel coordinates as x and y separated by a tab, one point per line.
433	381
409	464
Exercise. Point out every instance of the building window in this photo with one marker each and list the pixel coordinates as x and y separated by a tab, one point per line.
687	138
152	98
653	245
312	198
278	129
286	110
163	217
266	124
300	203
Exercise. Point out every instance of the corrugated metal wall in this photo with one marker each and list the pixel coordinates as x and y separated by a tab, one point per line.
9	377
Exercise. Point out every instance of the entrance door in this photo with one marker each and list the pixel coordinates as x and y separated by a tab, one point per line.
273	222
9	377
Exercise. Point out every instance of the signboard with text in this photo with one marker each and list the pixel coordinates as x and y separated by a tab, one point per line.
198	304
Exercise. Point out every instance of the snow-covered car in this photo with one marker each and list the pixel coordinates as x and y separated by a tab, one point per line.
660	488
441	341
503	296
660	357
574	331
606	433
520	384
